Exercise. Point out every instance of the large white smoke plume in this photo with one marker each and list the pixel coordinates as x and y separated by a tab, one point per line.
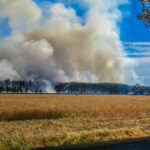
60	46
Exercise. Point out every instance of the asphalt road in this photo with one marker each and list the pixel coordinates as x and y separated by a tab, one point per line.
142	144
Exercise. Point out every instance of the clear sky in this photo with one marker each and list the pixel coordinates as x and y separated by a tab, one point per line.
136	38
133	34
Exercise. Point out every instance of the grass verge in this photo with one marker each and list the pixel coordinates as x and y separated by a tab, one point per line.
24	135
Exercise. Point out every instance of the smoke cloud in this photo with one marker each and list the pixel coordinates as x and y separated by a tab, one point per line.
22	9
61	46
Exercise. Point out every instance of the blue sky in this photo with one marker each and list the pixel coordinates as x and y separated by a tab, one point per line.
133	33
136	38
132	29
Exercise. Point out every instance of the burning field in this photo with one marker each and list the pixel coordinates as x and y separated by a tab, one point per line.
30	121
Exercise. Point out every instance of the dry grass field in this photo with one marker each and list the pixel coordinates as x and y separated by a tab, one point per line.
30	121
24	107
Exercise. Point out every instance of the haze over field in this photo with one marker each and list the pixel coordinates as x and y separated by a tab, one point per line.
52	42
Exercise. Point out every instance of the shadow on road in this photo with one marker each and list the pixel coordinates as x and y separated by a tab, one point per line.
136	144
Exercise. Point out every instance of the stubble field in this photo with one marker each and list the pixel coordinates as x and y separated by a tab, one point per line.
30	121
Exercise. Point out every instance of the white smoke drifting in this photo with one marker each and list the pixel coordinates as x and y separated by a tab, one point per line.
60	46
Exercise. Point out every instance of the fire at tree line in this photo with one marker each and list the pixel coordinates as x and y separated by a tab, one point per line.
40	86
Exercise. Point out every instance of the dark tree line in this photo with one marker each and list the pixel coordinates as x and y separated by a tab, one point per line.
19	86
101	88
8	86
14	86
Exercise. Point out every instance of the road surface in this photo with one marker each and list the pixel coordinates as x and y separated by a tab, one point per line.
143	144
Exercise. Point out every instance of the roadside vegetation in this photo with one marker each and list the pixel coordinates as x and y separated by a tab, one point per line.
30	121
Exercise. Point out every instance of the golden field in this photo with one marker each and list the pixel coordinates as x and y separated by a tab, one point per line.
30	121
24	107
